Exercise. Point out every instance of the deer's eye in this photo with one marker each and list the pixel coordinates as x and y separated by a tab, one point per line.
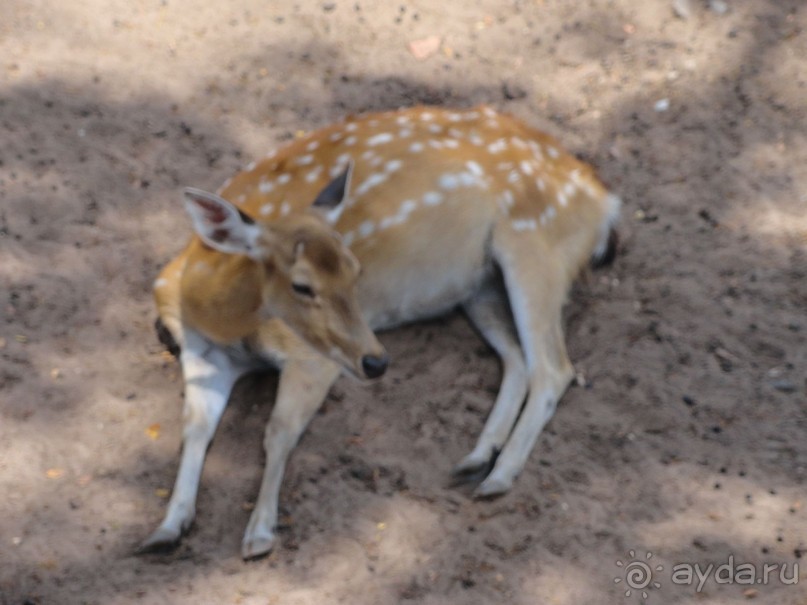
303	290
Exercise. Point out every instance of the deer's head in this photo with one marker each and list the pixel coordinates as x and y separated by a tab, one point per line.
308	275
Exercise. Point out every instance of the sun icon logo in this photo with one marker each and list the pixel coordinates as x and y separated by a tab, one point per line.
638	574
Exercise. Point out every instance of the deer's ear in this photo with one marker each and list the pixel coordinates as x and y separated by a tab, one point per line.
220	224
331	200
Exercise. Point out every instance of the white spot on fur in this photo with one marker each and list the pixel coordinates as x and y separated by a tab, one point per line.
540	183
435	128
451	143
475	168
368	155
312	145
372	123
266	209
490	113
285	208
393	166
351	127
569	188
471	115
435	144
426	116
497	146
266	186
476	140
251	166
519	142
404	119
513	177
528	224
432	198
562	199
241	199
348	238
504	166
405	133
404	210
379	139
526	167
305	160
454	117
553	153
161	283
547	215
335	136
313	175
388	221
407	207
469	179
271	154
416	147
373	180
448	181
506	201
366	229
455	132
284	178
350	141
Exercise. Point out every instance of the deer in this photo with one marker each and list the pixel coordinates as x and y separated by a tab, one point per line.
367	224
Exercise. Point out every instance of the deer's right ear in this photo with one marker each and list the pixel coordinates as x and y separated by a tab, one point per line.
221	225
331	200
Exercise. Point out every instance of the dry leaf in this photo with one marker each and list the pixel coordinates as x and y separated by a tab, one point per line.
161	492
54	473
153	431
750	593
425	47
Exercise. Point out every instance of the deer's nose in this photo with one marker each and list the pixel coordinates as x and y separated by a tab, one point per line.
374	366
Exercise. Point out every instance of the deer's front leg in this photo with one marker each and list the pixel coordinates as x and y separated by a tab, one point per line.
302	389
209	377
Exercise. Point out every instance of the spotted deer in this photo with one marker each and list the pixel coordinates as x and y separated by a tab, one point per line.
364	225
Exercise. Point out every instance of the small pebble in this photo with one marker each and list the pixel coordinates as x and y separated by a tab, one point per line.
662	105
682	9
783	385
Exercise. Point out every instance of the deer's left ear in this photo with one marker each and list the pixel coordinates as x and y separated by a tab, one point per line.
331	200
221	225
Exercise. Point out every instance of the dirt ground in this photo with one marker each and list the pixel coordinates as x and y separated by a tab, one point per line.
685	441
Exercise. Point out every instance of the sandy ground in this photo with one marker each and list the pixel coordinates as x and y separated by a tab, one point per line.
687	440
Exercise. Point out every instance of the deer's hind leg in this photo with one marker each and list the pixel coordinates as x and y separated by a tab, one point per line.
490	313
536	283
